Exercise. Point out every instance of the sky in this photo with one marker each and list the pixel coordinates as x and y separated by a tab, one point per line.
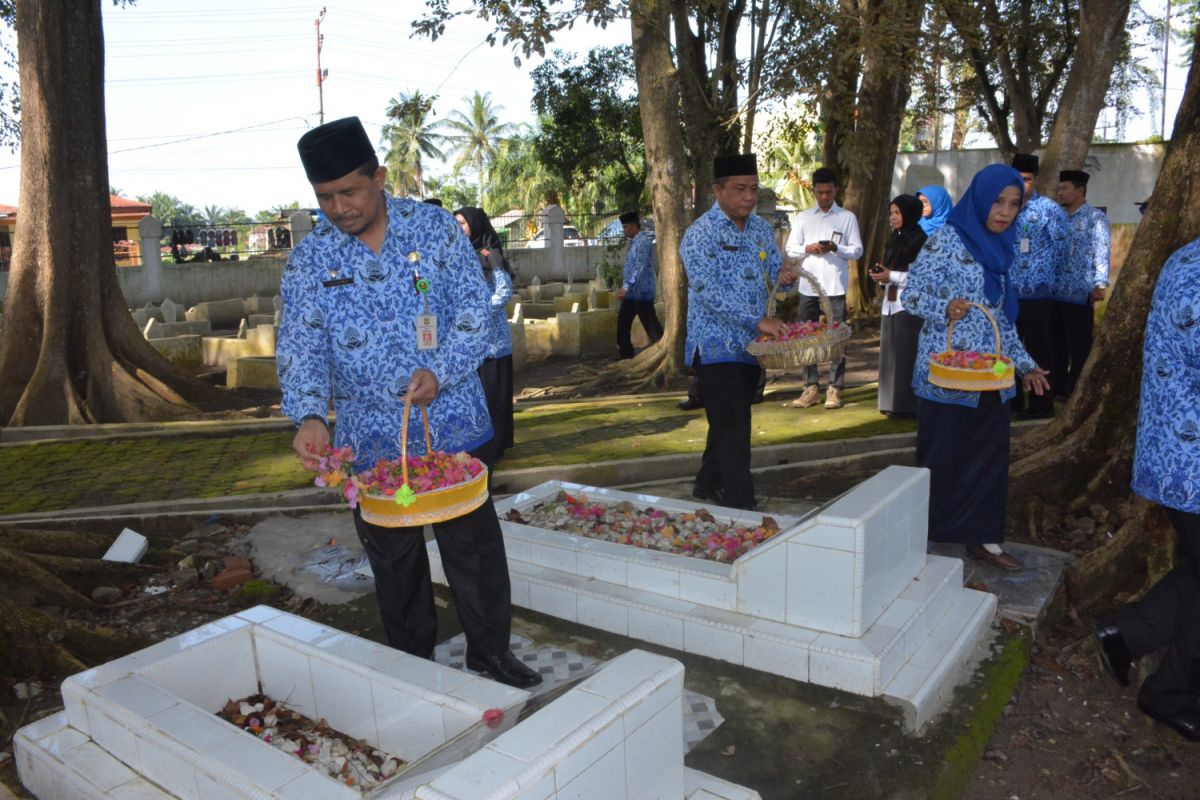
205	101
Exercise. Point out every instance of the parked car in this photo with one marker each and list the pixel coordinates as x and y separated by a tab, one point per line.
614	232
571	238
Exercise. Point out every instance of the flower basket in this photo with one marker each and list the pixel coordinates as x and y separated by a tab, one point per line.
404	507
970	371
826	342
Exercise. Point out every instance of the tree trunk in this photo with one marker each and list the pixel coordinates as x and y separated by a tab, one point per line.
845	67
70	352
870	151
666	173
1101	26
1085	455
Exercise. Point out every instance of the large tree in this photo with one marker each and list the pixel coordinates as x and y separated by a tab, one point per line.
1082	459
70	352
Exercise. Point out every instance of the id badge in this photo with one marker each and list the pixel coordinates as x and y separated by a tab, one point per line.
836	237
1024	244
427	338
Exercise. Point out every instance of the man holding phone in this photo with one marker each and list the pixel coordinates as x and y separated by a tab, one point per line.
826	236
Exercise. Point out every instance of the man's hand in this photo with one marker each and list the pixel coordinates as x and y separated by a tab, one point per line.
769	326
423	387
814	249
1036	381
1098	294
787	275
621	293
310	439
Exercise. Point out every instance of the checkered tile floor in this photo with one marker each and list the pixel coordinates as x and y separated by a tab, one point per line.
700	715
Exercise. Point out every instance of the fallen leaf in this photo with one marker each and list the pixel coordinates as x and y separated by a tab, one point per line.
728	751
1009	626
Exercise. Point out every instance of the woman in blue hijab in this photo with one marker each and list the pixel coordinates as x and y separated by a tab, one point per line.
937	204
963	436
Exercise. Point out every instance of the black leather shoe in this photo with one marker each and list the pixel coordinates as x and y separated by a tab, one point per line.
1186	723
690	405
1114	653
505	668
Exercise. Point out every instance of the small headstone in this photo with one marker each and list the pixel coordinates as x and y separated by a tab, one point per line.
242	328
170	310
535	289
279	317
139	317
129	548
151	324
518	314
106	594
575	308
593	300
277	302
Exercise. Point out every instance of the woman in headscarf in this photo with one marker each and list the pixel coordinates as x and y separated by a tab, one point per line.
495	373
962	436
898	330
936	205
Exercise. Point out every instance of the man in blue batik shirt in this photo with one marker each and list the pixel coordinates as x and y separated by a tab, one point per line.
1041	246
730	258
383	300
1081	280
1166	470
637	288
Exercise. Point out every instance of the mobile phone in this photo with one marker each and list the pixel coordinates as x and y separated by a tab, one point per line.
876	269
825	242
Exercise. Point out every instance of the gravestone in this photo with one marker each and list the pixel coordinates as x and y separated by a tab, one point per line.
518	314
170	310
151	324
242	328
277	303
535	289
575	308
593	302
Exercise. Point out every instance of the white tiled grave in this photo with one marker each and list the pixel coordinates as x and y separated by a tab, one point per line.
145	726
844	597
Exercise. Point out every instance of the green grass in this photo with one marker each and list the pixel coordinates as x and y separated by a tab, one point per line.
55	475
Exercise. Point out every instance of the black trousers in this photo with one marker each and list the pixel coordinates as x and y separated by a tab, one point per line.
728	390
1169	615
1035	326
472	550
643	310
809	310
496	375
696	394
1073	326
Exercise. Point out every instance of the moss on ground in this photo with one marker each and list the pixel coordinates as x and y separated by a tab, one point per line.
56	475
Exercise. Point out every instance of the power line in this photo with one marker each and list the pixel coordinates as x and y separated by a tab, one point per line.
203	136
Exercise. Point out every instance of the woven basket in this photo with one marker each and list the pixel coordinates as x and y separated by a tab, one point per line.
972	380
826	346
437	505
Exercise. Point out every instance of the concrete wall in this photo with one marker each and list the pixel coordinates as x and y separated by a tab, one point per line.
1122	175
188	284
579	264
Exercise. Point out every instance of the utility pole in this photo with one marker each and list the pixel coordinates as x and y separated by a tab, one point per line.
1166	66
322	74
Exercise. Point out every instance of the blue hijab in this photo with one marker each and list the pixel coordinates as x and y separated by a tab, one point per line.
939	201
994	251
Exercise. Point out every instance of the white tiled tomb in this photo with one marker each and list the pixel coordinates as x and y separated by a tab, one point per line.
144	726
844	597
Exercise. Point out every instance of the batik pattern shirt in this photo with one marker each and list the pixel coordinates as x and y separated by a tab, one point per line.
638	280
1166	463
1041	229
944	270
499	340
348	333
1086	264
728	271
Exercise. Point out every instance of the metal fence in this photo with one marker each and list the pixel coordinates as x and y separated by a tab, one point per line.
518	229
186	244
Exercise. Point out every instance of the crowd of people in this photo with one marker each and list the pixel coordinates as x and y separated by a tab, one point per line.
392	301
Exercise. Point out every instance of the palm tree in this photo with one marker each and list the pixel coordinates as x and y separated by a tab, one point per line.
518	179
213	215
476	133
408	136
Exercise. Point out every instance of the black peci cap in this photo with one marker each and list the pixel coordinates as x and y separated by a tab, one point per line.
334	150
1025	162
739	164
630	216
1075	176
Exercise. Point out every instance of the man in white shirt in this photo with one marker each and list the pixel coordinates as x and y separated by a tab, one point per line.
826	236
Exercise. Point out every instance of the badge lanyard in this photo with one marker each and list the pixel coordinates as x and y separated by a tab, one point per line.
426	323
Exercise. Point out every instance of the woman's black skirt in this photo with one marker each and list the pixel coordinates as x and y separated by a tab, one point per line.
496	375
897	353
966	451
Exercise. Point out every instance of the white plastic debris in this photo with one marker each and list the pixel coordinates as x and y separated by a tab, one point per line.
129	548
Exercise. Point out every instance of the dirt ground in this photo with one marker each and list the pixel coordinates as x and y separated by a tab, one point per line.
1069	731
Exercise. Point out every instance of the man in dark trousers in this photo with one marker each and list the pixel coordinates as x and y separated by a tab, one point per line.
637	286
385	300
1041	227
730	258
1165	469
1081	281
